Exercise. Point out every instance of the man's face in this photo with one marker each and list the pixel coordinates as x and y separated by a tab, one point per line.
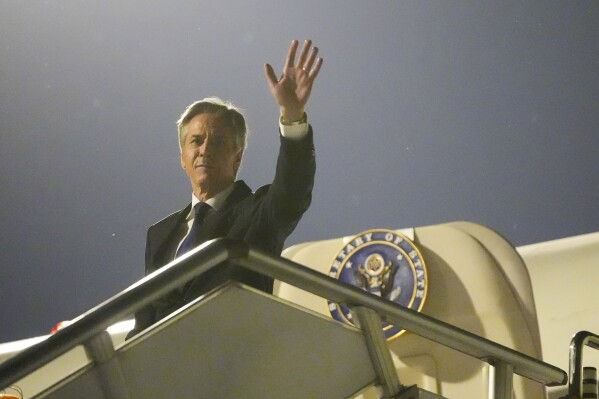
208	154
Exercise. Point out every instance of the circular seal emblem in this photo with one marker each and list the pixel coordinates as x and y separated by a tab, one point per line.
384	263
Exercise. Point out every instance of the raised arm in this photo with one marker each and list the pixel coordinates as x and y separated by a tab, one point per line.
292	90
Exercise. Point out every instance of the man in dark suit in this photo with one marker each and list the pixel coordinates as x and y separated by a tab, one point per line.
212	138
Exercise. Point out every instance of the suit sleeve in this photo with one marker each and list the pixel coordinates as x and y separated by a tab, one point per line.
290	194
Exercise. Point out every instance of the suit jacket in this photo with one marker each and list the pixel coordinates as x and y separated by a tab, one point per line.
263	219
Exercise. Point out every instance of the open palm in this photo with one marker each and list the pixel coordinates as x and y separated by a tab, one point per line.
292	90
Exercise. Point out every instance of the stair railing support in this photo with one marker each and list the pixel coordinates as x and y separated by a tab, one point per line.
370	323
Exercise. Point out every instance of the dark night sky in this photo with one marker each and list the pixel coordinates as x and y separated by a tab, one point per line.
424	112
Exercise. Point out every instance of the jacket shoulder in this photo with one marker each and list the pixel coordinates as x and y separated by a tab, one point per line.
173	217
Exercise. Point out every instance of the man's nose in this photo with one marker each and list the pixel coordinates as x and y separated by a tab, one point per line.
207	146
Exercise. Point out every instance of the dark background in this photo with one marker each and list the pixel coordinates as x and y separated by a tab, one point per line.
425	112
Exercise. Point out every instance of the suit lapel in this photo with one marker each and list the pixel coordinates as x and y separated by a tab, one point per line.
162	235
240	192
218	223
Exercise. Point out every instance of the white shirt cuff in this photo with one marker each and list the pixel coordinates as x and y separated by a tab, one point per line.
294	132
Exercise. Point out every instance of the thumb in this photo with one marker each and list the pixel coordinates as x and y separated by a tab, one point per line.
270	75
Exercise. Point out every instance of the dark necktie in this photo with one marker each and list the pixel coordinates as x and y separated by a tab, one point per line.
190	242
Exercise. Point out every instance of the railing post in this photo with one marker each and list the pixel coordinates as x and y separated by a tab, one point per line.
503	380
370	322
108	369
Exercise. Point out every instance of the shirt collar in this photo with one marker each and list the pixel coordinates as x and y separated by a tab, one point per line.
216	202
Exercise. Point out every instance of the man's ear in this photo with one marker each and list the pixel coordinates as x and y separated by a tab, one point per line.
181	144
237	161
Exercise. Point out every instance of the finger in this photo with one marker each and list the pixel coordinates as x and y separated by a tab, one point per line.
308	65
291	54
270	75
314	72
304	53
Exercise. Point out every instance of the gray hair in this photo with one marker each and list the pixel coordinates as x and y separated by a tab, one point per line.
220	108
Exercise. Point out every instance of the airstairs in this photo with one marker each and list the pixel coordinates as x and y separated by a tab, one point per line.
237	342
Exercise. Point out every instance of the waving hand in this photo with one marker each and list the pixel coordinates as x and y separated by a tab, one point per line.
292	90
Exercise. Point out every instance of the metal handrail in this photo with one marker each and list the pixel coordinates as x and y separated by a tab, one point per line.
579	341
410	320
145	291
211	254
